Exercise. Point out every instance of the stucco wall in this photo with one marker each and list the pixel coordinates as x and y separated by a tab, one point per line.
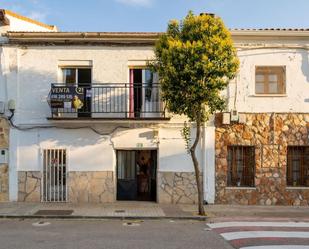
242	88
17	24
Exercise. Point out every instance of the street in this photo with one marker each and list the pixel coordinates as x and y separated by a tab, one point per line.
66	234
154	234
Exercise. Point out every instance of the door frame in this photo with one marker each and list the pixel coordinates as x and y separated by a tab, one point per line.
67	175
136	149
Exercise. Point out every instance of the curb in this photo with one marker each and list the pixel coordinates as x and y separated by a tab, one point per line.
88	217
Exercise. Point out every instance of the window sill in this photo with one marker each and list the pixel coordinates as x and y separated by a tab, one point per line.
297	188
269	95
240	188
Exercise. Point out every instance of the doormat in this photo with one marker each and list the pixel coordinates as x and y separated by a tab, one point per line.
119	211
54	212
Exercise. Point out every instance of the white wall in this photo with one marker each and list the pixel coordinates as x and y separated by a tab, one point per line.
172	149
110	65
17	24
87	150
297	81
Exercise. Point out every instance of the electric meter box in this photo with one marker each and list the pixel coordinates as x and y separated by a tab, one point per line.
4	156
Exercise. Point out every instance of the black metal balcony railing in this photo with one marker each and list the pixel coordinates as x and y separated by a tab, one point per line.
117	100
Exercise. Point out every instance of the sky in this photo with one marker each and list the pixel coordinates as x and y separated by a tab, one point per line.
153	15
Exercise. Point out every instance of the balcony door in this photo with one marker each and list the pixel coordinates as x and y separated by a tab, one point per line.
144	94
80	77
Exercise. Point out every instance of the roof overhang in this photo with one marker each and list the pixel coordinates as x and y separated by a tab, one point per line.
142	38
128	38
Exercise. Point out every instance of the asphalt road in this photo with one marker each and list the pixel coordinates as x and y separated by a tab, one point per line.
67	234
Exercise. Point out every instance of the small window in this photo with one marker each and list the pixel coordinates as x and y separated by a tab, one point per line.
298	166
270	80
76	76
241	164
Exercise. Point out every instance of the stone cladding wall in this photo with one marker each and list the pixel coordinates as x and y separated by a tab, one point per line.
91	187
4	168
177	187
29	186
270	133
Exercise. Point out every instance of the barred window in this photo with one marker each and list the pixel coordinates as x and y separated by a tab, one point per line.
298	166
241	166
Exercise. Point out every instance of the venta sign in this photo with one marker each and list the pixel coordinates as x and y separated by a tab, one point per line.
67	97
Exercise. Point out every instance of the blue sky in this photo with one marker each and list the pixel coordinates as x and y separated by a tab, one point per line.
153	15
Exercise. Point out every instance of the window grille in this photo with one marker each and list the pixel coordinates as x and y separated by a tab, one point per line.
241	166
54	175
298	166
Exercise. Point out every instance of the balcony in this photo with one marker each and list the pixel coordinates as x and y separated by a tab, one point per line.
138	101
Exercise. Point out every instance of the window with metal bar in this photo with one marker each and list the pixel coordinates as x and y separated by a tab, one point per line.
241	166
298	166
54	175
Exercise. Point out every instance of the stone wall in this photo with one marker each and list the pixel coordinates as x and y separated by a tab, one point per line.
177	187
4	170
29	186
92	187
270	133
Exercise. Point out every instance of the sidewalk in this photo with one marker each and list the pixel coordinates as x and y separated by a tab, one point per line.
148	210
117	210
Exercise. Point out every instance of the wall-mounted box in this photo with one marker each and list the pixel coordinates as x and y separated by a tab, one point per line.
4	156
234	116
242	118
2	107
226	118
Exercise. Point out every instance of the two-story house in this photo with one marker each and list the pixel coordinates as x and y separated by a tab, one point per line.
87	123
262	152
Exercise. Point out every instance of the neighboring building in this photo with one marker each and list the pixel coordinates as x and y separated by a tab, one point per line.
263	157
10	21
90	125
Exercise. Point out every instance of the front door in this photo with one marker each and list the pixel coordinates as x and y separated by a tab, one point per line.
136	175
54	175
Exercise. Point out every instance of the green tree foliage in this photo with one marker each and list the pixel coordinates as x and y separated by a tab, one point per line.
195	60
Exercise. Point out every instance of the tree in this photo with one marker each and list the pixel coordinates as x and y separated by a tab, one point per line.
195	60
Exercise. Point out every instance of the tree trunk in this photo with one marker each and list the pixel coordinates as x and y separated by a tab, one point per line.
199	184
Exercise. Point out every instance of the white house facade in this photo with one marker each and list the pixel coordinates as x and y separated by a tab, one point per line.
113	142
83	121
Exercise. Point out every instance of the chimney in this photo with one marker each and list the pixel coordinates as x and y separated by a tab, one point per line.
210	14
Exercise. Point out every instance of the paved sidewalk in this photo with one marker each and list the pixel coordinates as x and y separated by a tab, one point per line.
113	210
149	210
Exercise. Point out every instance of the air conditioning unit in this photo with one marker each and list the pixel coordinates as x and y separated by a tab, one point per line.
4	156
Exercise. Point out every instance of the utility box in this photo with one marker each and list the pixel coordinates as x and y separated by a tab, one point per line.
234	116
242	118
4	156
226	118
2	107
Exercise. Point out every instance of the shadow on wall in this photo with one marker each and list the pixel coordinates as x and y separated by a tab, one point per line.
32	108
305	64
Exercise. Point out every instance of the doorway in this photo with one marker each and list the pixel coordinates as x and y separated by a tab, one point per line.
54	175
137	175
